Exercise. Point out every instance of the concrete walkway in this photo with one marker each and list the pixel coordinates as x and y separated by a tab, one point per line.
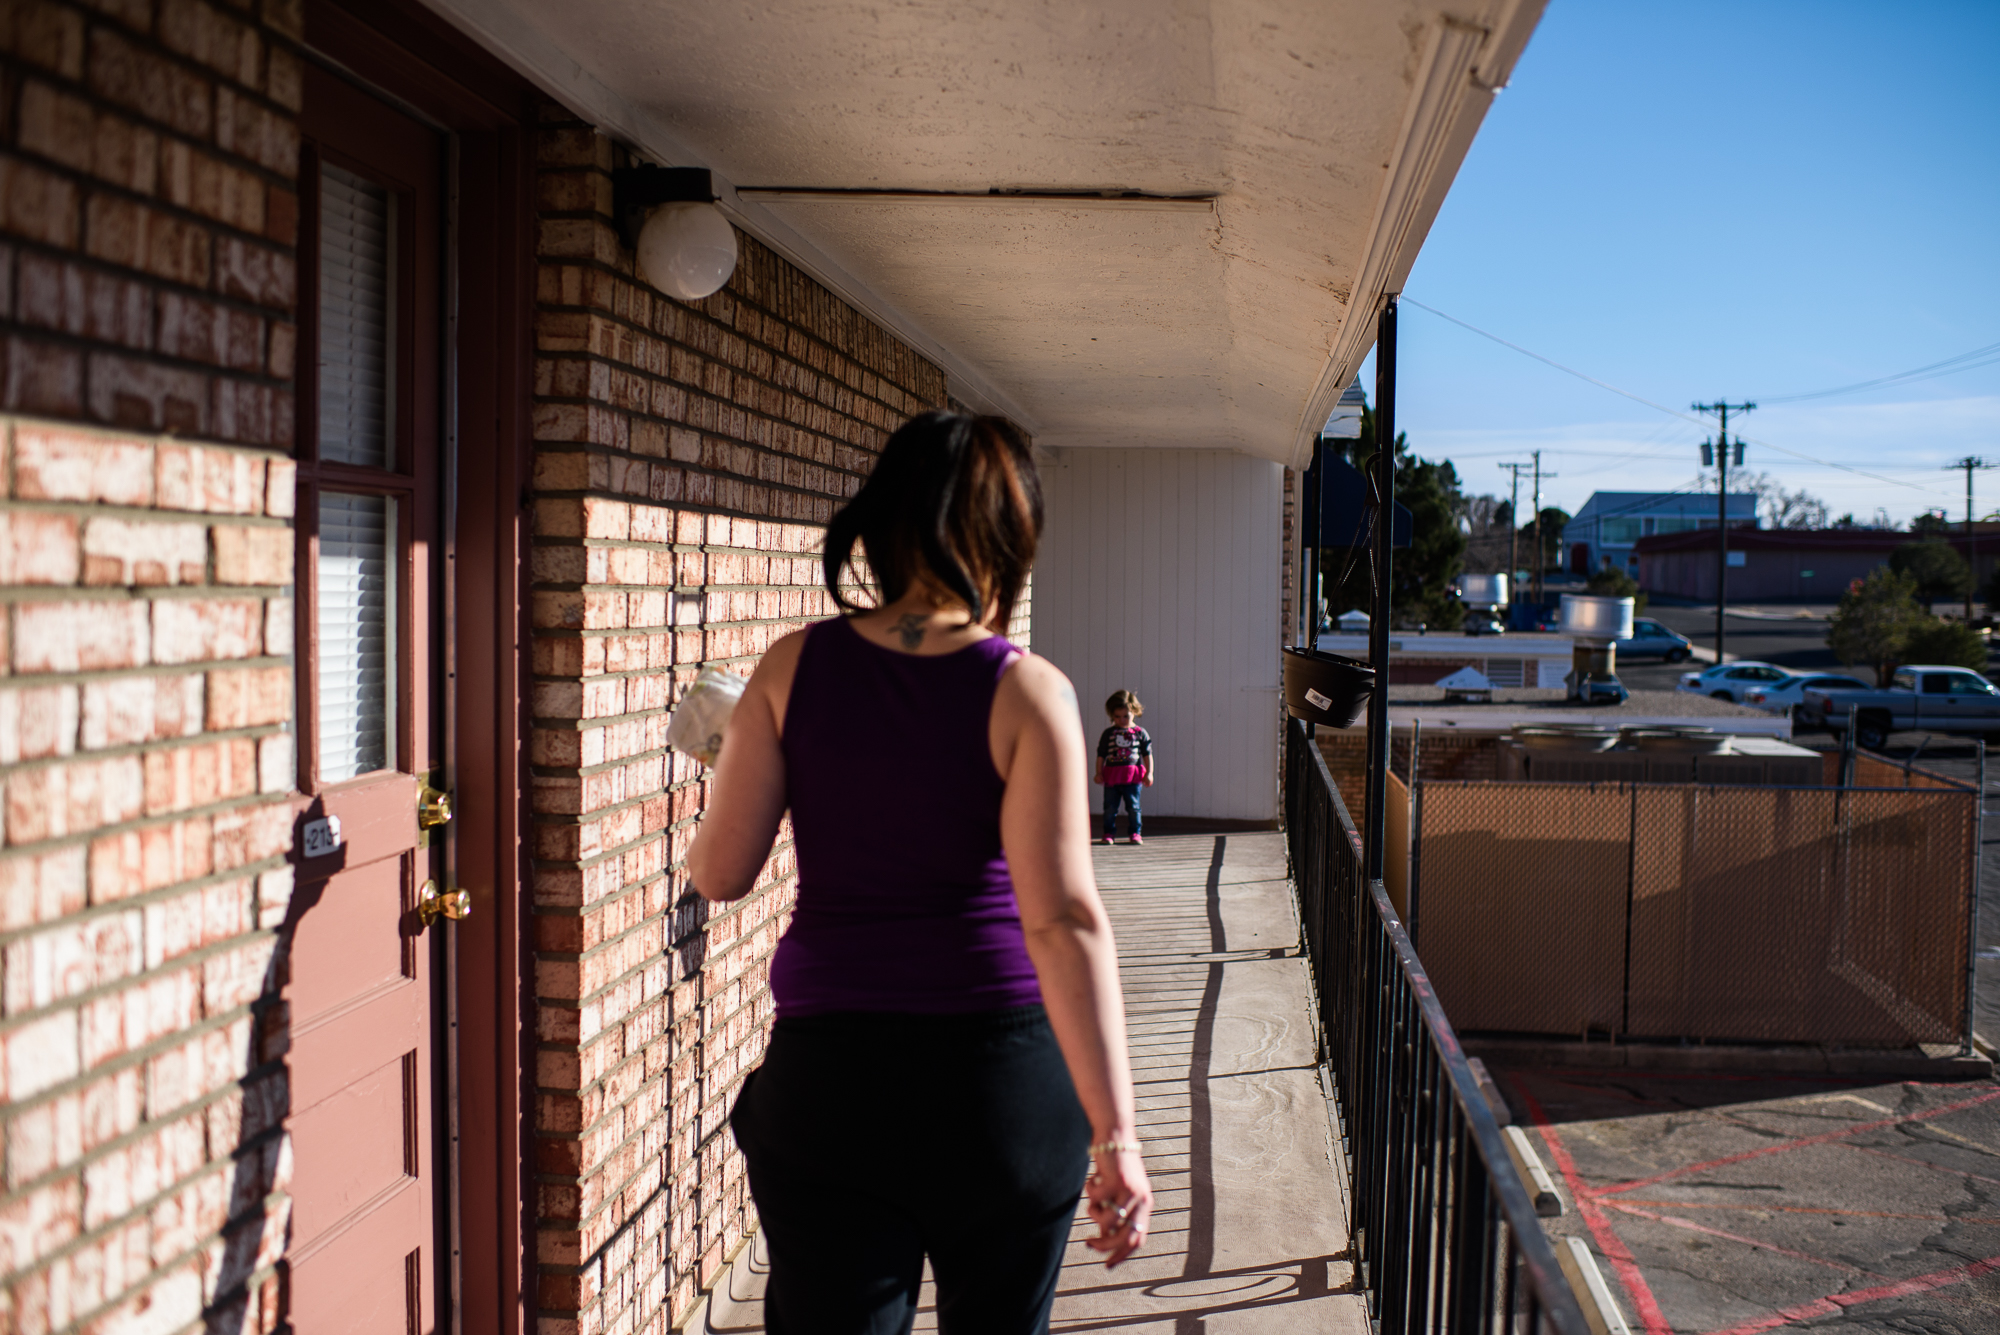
1250	1230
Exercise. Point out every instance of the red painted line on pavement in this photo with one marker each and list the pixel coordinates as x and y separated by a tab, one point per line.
1922	1163
1814	1209
1833	1303
1803	1142
1693	1227
1622	1263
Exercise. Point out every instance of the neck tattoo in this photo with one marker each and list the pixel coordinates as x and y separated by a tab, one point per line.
911	627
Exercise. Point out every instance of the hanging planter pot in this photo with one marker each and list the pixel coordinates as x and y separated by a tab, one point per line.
1326	688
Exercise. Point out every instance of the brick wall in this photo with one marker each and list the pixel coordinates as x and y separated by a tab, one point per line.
687	458
147	218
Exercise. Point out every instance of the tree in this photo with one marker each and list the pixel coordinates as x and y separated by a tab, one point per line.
1611	582
1420	589
1930	523
1780	508
1760	485
1485	513
1420	582
1553	521
1939	571
1874	620
1935	641
1794	509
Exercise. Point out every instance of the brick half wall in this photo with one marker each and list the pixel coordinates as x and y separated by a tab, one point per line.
688	457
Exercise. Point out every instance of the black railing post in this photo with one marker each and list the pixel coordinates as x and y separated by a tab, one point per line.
1374	806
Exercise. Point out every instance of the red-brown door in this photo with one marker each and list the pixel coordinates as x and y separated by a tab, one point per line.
364	965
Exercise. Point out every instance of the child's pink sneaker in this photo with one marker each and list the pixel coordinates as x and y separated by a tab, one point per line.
1137	840
1105	840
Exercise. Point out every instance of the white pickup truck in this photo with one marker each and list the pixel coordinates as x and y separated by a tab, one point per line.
1928	699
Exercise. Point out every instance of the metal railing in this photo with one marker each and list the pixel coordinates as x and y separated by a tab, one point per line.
1445	1238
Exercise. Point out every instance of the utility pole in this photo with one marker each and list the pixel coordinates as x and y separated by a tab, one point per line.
1722	508
1541	558
1514	527
1971	463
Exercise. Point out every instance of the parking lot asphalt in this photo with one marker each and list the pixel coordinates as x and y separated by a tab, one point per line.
1777	635
1732	1205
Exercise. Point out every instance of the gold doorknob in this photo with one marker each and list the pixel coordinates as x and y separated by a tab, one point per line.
433	807
433	903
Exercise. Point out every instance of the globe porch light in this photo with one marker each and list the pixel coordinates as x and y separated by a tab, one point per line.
687	250
684	245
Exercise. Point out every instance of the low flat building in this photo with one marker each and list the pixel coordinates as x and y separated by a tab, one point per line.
1790	563
1532	660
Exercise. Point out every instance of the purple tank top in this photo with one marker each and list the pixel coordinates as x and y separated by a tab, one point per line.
905	902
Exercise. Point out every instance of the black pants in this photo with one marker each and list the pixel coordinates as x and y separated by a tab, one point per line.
873	1141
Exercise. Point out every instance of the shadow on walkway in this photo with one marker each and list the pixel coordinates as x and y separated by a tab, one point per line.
1250	1226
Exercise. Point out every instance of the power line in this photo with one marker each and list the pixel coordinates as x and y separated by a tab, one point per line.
1566	370
1965	361
1660	407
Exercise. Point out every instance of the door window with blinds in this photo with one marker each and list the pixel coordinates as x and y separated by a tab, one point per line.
356	336
356	592
353	481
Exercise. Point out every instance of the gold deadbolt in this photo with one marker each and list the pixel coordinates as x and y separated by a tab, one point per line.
433	807
433	903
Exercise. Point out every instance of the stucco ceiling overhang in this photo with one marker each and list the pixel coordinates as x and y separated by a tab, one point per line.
1145	222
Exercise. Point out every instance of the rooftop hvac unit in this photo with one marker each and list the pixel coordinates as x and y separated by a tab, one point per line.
1483	594
1596	625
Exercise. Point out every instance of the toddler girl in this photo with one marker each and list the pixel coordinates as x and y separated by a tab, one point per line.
1124	762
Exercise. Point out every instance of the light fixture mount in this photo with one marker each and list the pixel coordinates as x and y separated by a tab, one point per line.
635	191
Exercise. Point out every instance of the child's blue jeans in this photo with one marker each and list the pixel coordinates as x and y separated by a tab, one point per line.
1116	795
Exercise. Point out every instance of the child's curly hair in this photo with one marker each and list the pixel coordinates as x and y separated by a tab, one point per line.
1123	700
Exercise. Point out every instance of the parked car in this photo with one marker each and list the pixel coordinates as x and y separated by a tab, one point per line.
1728	681
1936	699
1783	696
1650	639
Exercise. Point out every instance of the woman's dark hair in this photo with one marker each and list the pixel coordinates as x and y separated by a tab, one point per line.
955	502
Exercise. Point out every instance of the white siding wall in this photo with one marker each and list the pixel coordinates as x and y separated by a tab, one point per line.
1159	572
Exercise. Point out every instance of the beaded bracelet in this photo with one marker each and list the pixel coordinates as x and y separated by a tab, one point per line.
1114	1147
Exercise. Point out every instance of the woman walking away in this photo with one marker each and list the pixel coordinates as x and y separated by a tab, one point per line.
949	1053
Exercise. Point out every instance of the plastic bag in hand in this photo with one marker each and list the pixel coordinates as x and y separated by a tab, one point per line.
697	726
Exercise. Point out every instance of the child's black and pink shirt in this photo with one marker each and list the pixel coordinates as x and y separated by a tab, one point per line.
1124	753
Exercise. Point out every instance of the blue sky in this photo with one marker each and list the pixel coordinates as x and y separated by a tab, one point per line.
1749	200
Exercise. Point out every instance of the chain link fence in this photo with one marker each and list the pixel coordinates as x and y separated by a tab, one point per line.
1714	914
